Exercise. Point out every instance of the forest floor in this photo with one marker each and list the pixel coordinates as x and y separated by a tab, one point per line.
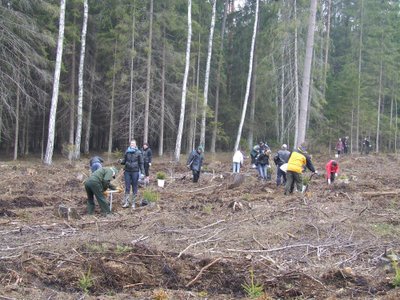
204	240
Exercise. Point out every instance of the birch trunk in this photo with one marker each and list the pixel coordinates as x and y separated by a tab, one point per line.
110	134
184	88
328	30
307	74
53	110
72	101
78	135
148	78
252	105
207	78
246	98
162	118
216	108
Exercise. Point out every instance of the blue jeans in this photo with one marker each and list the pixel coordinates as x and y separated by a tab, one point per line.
131	179
236	167
262	171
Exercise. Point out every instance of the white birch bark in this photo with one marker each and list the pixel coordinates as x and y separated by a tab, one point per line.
296	79
207	78
378	121
162	113
246	97
184	88
54	100
16	137
359	76
305	90
112	102
78	135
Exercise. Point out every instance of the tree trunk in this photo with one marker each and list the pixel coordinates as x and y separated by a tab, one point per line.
53	110
328	29
131	104
162	118
184	88
378	121
296	79
148	78
78	134
395	124
281	137
72	100
110	134
90	108
246	98
17	104
253	104
307	74
207	78
216	108
359	76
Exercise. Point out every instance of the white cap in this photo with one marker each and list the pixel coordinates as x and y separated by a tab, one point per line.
284	146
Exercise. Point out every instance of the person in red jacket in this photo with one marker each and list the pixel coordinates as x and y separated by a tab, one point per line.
332	170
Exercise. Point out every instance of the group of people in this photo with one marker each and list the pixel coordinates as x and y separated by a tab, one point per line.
342	146
136	164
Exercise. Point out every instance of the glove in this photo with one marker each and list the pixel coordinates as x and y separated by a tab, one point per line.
120	160
329	181
269	167
149	164
316	172
335	174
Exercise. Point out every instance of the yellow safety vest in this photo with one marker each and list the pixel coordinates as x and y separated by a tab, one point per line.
296	162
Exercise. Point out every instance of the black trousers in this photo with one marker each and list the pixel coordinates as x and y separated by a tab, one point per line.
196	175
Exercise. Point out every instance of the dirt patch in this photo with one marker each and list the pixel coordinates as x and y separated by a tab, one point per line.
202	240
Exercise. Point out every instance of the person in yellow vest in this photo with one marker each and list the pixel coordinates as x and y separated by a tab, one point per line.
298	161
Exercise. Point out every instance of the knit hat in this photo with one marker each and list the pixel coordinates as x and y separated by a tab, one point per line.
284	146
200	148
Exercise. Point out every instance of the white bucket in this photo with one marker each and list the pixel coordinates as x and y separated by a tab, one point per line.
336	155
160	182
284	167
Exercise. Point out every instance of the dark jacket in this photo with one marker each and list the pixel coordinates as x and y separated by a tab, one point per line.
95	159
282	157
147	155
133	160
195	161
104	177
263	159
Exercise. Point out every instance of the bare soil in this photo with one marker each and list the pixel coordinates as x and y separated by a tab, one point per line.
204	240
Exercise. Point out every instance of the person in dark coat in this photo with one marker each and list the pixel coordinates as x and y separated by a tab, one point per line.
147	156
366	146
263	163
281	158
133	162
253	155
95	185
195	162
95	163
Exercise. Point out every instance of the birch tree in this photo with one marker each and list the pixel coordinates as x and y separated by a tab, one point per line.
184	88
246	97
207	78
78	134
305	90
53	110
131	104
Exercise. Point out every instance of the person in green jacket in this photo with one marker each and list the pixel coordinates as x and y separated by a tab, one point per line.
96	184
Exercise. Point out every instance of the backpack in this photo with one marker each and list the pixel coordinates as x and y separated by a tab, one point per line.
277	160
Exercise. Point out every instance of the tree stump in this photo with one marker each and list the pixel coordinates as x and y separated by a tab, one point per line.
237	179
65	212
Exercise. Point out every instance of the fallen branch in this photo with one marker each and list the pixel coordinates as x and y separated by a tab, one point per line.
200	189
199	242
202	270
381	193
278	249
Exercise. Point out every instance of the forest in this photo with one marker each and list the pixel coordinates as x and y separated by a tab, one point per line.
128	69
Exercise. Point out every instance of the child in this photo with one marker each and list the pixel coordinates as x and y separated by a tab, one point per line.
332	170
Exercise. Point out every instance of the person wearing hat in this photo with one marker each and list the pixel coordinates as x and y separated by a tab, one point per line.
332	171
96	184
195	161
134	166
298	161
281	158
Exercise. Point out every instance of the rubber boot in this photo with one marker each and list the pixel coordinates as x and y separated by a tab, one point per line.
133	201
126	201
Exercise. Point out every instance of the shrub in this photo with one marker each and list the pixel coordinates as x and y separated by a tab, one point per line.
253	290
161	175
86	281
396	279
150	195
